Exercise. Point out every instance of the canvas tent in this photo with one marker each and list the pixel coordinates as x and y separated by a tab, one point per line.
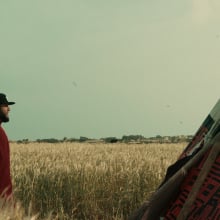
191	188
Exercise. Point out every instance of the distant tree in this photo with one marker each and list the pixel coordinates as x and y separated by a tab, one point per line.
65	139
83	139
110	139
73	140
23	141
48	140
132	138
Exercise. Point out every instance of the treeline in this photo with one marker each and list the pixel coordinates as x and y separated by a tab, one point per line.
124	139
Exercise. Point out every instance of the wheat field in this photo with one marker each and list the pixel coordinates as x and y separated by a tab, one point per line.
87	181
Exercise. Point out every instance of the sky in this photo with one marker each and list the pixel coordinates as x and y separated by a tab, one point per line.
108	68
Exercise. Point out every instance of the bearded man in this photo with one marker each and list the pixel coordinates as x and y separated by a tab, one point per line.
5	177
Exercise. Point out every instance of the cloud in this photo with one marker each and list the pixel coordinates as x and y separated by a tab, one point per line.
202	11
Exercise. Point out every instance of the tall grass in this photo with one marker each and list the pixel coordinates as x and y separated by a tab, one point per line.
88	181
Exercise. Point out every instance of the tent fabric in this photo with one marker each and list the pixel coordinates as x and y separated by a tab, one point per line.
207	203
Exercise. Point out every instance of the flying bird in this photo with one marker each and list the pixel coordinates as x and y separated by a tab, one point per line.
74	83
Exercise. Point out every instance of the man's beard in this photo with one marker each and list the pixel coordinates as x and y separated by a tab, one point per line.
3	117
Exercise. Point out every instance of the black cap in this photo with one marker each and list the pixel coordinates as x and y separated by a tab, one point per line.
4	101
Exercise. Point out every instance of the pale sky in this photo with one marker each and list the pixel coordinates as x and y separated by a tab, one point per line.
109	68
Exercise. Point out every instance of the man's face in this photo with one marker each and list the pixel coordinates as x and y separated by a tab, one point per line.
4	110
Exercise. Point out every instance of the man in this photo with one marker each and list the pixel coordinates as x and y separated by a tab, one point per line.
5	178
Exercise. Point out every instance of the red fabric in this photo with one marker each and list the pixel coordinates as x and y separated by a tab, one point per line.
5	178
207	203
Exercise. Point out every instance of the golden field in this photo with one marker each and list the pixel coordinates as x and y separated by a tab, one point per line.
87	181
